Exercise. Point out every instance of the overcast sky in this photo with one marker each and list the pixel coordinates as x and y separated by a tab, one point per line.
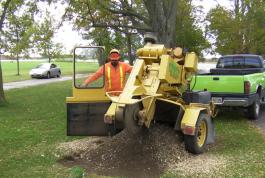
69	38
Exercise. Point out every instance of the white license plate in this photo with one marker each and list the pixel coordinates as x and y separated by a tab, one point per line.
217	100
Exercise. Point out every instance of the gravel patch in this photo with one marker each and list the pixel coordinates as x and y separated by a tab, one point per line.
147	153
199	166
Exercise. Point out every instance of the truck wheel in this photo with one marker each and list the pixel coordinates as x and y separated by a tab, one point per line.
197	142
254	109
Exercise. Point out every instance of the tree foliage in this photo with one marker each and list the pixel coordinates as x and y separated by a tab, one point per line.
17	31
16	19
127	16
43	38
102	17
171	20
188	34
240	30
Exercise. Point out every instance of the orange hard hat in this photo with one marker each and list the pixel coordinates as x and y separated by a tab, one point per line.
114	54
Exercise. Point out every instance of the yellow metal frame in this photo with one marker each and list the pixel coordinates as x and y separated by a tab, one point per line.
87	95
201	138
190	118
158	74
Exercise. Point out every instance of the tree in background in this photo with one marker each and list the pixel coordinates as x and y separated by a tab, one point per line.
43	38
100	37
114	39
95	17
240	30
128	19
19	13
17	33
171	20
189	35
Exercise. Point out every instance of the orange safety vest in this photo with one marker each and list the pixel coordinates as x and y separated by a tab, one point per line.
112	77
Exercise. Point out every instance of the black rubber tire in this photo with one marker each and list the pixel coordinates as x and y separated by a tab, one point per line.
48	75
191	143
254	109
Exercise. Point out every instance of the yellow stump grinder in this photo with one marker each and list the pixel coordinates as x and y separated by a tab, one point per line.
157	91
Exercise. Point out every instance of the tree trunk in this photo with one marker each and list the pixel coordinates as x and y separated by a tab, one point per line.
102	58
129	46
2	94
162	14
3	15
18	65
2	18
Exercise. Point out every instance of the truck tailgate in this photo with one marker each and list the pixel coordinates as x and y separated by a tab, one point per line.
218	83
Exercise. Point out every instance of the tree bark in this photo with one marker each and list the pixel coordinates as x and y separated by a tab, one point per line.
18	65
102	58
2	18
129	46
162	14
3	15
49	55
2	94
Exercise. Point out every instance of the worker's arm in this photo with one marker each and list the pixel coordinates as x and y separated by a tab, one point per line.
128	68
94	77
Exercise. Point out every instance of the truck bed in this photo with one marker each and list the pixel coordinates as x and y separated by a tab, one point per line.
216	83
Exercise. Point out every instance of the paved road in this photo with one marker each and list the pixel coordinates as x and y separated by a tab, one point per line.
33	82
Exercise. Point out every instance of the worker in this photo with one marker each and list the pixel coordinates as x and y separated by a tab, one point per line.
115	73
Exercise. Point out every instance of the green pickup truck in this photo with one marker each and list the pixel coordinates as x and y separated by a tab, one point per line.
237	81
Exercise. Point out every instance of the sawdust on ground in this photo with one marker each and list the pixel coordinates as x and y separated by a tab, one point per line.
148	153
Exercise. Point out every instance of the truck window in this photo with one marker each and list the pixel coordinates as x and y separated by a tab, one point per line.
225	63
252	62
239	62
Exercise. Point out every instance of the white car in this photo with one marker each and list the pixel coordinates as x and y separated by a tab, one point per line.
47	70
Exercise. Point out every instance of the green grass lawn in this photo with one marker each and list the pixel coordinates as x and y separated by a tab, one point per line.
242	144
9	69
33	123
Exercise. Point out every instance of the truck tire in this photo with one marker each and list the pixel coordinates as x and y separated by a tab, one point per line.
196	143
254	109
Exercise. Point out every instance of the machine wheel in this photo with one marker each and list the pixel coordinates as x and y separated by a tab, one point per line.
196	143
254	110
131	118
48	75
